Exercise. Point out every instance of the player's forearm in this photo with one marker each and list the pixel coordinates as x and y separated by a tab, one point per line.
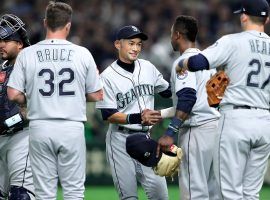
118	118
16	96
181	115
95	96
122	118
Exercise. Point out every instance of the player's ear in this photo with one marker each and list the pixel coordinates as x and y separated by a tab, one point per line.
244	17
20	45
68	26
45	23
117	44
267	20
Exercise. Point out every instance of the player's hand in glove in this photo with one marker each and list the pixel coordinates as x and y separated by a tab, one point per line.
150	117
169	162
164	144
142	148
215	88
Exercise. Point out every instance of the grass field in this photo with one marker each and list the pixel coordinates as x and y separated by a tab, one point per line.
108	193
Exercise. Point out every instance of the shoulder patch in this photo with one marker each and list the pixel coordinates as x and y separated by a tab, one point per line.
182	76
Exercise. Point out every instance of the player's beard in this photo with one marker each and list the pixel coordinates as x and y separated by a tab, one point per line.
8	56
174	46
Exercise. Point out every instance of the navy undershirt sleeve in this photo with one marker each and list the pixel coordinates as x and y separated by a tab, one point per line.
197	63
186	99
106	113
166	93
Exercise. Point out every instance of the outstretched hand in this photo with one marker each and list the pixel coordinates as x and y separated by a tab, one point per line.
150	117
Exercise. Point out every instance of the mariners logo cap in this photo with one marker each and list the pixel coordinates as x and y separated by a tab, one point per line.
129	32
259	8
142	148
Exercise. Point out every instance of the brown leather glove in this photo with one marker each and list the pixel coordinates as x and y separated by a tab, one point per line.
215	88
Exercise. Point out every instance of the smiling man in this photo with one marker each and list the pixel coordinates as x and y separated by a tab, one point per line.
129	87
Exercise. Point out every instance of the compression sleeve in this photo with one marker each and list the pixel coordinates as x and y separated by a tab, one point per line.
197	63
106	113
186	99
166	93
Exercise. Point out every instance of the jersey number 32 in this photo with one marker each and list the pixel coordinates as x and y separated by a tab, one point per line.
50	78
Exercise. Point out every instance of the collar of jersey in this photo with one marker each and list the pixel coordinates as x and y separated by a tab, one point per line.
125	72
54	41
257	33
191	50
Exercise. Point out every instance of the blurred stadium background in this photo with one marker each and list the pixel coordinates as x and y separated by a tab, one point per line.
93	26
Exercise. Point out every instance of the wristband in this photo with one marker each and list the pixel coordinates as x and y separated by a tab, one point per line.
167	112
134	118
12	121
174	126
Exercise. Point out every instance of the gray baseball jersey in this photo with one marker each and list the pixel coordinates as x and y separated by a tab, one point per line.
56	75
198	135
244	136
131	93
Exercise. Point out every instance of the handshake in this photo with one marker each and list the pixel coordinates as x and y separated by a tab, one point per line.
151	117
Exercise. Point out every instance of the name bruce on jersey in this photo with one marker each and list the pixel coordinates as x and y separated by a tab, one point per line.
133	94
49	55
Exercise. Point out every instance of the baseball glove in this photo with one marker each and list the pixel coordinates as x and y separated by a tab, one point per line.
215	88
168	164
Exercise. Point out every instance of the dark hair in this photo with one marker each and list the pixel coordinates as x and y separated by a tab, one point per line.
57	15
258	20
187	26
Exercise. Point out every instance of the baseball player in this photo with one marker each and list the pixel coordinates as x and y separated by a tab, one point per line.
129	87
244	136
15	173
198	121
58	77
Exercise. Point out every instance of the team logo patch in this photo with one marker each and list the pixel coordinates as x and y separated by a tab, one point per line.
134	28
182	76
2	77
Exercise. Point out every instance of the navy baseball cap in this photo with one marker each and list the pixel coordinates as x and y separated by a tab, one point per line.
129	32
142	148
259	8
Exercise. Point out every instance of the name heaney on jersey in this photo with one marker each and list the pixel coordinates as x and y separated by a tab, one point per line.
133	94
49	55
259	46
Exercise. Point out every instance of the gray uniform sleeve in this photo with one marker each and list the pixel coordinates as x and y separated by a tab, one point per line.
17	77
109	99
161	84
219	53
93	82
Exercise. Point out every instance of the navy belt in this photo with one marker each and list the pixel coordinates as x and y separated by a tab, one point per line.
130	131
249	107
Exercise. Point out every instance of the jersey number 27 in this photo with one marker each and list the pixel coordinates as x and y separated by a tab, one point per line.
256	72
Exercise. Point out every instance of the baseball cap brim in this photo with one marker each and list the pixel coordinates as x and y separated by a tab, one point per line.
138	35
238	11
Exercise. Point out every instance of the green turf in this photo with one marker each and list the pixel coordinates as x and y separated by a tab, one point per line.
109	193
